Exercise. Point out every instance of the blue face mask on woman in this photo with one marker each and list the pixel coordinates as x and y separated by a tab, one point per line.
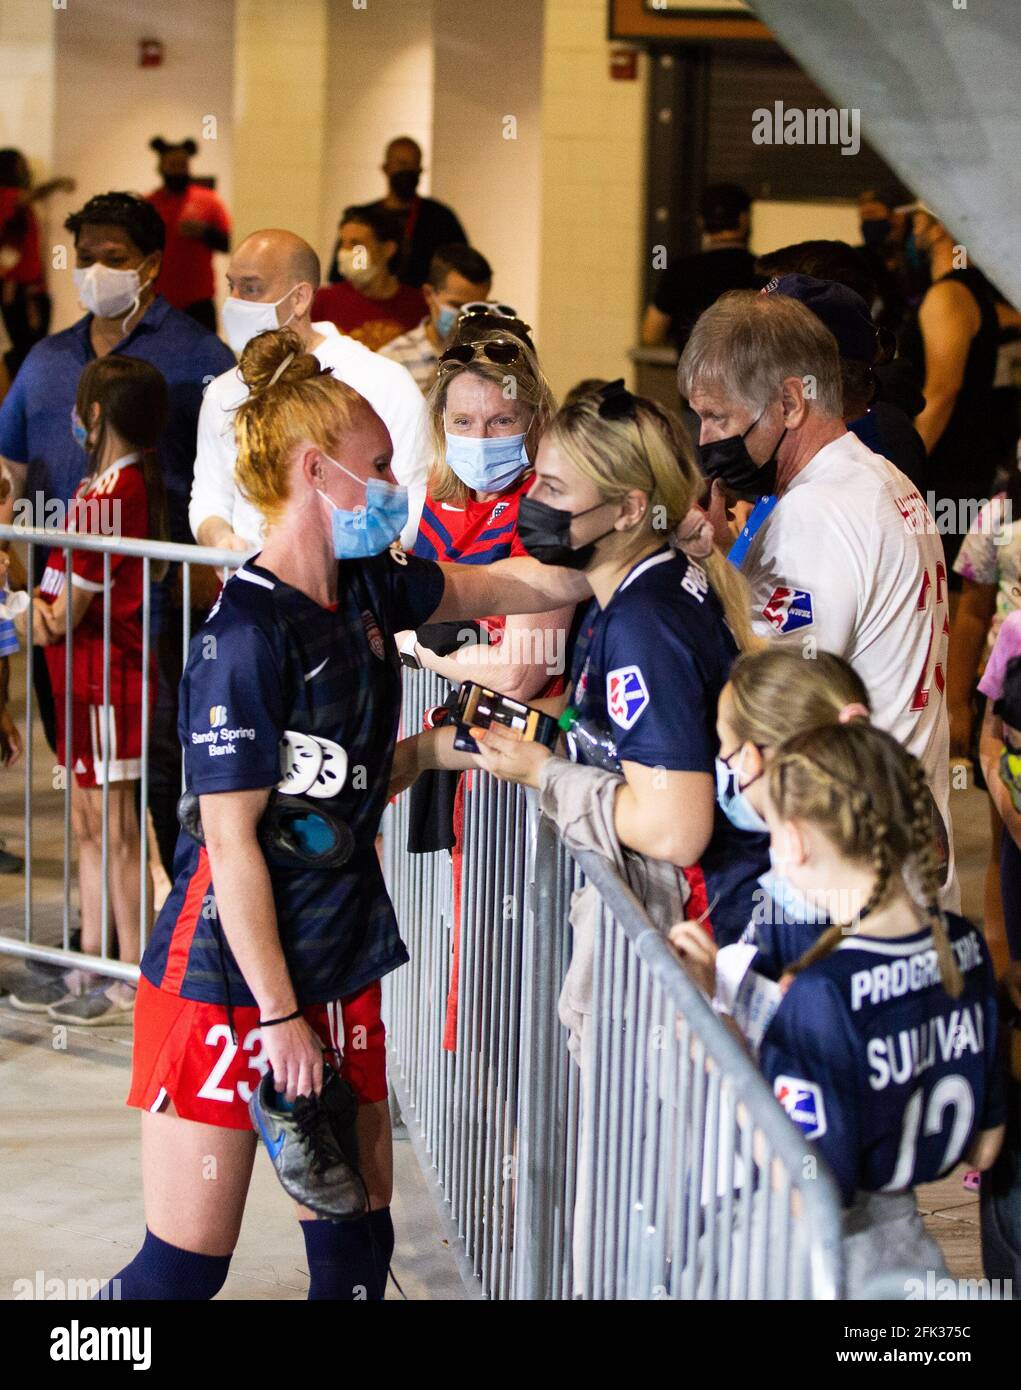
731	795
368	530
487	465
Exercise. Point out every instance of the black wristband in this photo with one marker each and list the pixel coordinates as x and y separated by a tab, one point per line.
288	1018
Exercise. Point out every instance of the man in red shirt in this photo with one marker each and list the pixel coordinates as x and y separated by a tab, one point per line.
197	224
370	303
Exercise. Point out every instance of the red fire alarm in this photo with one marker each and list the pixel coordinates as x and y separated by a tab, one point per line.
150	53
623	64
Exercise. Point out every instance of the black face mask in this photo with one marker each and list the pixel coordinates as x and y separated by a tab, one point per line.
729	461
545	532
176	183
404	182
875	232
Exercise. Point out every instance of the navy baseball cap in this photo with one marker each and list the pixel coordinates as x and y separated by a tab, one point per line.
842	310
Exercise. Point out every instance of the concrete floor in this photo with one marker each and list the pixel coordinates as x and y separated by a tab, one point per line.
70	1189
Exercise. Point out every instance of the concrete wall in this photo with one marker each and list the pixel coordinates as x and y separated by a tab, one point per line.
281	61
488	134
379	85
593	170
106	108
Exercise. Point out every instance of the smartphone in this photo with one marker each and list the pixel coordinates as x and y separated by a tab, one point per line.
475	705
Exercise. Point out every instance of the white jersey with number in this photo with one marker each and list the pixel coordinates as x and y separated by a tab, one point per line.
849	562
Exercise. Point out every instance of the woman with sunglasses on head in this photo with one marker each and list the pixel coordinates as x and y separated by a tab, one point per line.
615	479
488	409
271	946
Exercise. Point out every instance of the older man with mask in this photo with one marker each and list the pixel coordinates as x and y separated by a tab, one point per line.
849	560
273	276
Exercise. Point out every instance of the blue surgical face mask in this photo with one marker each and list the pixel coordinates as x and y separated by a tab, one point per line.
78	430
368	530
445	319
787	896
731	796
487	465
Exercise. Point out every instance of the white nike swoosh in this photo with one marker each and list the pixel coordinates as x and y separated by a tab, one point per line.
449	507
310	674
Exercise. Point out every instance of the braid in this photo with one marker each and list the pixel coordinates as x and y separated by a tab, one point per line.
927	867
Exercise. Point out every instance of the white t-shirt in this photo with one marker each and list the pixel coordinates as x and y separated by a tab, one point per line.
850	561
388	387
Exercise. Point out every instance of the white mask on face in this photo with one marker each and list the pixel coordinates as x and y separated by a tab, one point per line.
107	292
244	318
350	264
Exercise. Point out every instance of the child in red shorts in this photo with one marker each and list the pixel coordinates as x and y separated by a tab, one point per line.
119	415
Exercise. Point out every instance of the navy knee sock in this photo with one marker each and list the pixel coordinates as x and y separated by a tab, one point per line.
162	1271
349	1260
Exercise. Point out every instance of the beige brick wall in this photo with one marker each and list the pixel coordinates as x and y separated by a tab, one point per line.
280	99
593	170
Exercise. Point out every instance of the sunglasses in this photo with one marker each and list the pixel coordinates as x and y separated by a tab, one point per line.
485	306
616	402
502	351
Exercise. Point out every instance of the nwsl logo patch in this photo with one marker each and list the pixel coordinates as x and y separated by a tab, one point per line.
626	695
804	1104
789	609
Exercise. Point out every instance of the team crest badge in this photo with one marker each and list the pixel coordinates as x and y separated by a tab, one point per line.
804	1104
627	695
373	634
498	511
789	609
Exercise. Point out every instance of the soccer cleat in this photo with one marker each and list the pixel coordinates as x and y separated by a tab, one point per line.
313	1146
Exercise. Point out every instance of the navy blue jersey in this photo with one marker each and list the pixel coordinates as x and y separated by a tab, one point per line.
270	659
648	670
879	1066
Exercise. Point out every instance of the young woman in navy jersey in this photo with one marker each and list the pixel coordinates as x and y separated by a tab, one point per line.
265	957
615	480
880	1042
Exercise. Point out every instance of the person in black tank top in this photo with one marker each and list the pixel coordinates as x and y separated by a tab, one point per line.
952	343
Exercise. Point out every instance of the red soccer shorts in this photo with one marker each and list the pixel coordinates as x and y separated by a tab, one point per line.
184	1053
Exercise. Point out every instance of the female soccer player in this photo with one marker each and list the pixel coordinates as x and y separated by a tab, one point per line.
272	943
882	1047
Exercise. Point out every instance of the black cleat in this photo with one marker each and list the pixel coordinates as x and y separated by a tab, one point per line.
313	1146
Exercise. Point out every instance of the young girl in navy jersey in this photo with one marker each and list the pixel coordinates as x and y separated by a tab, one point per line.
880	1042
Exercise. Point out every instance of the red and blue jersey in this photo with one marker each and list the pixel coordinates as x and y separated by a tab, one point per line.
875	1062
474	533
269	660
648	670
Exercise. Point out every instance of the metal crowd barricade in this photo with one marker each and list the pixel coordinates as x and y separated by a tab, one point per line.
38	929
684	1175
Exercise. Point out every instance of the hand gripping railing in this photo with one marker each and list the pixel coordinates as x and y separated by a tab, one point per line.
679	1177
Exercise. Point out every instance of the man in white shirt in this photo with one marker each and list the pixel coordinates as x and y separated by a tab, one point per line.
273	276
848	561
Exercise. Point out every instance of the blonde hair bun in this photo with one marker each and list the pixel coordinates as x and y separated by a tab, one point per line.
265	356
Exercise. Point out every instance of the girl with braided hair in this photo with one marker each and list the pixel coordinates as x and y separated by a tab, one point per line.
881	1044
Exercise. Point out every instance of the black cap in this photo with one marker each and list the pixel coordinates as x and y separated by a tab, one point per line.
843	312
